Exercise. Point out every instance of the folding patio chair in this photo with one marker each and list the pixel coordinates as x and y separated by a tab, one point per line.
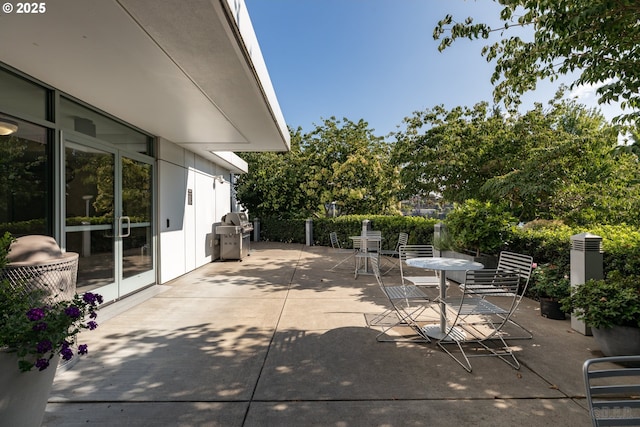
407	303
479	316
511	262
403	238
335	244
613	390
417	251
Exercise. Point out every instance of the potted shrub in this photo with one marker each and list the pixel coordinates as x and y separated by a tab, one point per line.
36	330
611	307
550	283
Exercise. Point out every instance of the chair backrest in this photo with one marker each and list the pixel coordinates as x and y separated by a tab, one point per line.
514	262
375	267
403	239
374	244
415	251
491	282
335	243
406	252
480	284
613	390
356	244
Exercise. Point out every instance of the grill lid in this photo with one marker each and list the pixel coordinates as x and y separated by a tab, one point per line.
239	219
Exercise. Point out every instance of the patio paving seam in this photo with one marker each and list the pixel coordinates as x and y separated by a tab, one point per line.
271	339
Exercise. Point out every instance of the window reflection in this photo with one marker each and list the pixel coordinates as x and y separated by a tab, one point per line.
25	180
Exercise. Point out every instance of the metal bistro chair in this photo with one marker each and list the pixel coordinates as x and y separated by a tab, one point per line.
476	326
613	390
417	251
510	262
403	238
335	244
407	303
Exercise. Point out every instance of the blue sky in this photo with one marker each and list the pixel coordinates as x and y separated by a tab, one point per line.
375	59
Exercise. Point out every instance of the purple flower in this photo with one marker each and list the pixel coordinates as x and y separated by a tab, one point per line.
83	349
91	298
44	346
92	325
72	311
40	326
93	314
66	353
35	314
42	364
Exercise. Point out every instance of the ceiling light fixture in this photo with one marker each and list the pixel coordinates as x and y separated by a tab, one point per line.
7	127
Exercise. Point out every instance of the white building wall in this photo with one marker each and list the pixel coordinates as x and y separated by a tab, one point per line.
187	237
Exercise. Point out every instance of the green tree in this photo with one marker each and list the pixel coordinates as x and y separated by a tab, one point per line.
349	165
273	185
338	161
562	146
596	38
453	152
553	163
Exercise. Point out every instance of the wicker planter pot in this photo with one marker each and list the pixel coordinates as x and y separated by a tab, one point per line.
23	395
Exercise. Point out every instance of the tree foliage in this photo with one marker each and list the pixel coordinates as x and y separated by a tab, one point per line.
274	185
338	161
598	39
554	163
349	165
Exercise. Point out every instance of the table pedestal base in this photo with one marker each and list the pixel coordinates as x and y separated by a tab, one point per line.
434	331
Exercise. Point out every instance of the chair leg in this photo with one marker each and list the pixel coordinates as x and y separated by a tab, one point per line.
404	318
401	318
351	255
528	334
391	263
488	347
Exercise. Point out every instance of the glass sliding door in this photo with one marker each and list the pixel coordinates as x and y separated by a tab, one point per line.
109	217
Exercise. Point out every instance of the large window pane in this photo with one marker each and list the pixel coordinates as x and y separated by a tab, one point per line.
25	198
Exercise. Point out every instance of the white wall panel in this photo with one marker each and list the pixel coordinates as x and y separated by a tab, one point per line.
188	240
172	184
205	219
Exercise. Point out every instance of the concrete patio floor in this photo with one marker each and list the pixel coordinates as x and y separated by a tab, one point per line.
281	340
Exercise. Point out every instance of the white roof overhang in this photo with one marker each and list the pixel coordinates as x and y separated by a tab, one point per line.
188	71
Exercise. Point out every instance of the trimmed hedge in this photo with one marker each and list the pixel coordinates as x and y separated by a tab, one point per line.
620	243
545	241
420	229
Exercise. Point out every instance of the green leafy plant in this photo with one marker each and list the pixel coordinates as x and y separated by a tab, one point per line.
478	226
551	281
37	327
613	301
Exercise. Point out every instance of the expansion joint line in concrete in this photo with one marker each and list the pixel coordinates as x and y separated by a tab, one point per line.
273	335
